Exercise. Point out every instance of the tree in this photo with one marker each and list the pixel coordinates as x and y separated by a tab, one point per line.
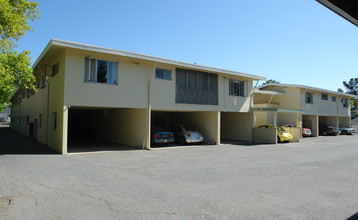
270	81
351	86
340	90
15	69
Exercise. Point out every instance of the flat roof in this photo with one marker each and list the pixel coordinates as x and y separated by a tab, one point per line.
79	46
306	87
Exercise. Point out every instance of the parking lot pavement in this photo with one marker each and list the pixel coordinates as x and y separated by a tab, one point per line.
313	179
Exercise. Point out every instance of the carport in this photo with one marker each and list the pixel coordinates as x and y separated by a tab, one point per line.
311	122
235	126
206	122
345	122
276	117
328	121
105	128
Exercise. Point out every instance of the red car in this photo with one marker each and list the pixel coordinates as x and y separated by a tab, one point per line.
306	132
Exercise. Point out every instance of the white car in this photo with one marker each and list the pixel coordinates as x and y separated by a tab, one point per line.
186	134
347	131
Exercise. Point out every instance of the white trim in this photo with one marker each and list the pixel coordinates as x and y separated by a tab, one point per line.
307	87
68	44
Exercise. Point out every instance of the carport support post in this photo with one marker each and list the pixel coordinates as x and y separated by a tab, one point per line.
64	129
149	112
275	119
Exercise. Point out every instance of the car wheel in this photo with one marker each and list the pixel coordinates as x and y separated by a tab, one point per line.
278	139
344	132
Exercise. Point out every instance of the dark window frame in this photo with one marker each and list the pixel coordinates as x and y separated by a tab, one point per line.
164	74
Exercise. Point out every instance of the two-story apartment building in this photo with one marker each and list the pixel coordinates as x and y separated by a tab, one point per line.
93	93
302	106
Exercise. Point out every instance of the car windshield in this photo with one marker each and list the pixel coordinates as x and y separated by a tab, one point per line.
188	128
281	129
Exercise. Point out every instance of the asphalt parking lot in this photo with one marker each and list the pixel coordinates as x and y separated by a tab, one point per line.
313	179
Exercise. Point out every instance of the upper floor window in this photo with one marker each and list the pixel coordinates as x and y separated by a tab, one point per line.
334	99
236	88
324	96
345	102
163	74
309	97
101	71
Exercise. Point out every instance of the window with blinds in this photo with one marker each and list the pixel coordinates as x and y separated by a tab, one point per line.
196	87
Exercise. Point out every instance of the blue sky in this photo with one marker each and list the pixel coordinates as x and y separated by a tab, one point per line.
291	41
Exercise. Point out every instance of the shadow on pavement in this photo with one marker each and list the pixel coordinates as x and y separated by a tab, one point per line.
12	142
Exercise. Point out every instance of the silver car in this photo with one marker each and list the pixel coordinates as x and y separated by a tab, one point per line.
184	134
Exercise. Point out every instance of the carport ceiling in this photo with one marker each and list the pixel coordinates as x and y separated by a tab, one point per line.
348	9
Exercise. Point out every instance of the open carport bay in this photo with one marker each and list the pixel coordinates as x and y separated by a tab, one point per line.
311	122
99	129
206	122
235	126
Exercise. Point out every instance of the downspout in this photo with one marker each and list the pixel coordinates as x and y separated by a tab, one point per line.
149	109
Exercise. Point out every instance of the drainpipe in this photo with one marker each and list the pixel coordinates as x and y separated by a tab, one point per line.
149	110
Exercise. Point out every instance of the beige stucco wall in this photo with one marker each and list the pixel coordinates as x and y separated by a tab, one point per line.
324	107
132	90
38	104
284	118
289	101
32	107
122	126
235	126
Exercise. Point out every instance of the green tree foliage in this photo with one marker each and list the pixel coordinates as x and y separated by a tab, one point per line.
352	88
15	70
340	90
270	81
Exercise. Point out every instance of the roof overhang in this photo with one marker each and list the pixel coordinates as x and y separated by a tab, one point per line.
308	88
268	92
67	44
348	9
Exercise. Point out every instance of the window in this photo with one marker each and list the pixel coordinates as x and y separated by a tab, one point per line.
324	96
334	99
163	74
40	121
101	71
54	120
309	98
236	88
196	87
345	102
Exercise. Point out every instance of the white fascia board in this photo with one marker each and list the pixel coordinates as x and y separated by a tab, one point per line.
68	44
309	88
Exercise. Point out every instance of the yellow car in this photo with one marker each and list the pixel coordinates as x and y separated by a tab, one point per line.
282	134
